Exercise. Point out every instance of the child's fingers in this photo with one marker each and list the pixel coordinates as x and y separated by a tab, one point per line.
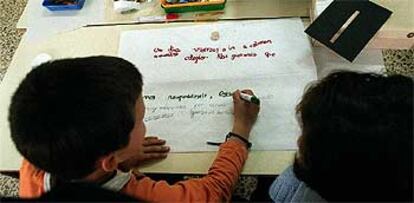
151	137
236	96
248	91
148	142
156	148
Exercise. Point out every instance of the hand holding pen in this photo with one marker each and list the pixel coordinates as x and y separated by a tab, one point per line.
246	109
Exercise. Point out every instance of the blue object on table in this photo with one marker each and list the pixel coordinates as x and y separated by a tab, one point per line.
52	6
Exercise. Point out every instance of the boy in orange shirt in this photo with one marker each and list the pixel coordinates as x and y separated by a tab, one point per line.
82	120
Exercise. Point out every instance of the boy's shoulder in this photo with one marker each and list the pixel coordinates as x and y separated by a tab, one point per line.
288	188
34	181
31	180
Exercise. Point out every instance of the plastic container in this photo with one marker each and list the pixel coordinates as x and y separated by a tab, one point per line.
193	6
49	4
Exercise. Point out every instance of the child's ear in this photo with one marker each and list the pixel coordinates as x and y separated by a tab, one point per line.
108	163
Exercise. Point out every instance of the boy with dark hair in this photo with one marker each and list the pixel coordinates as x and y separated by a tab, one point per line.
82	120
356	142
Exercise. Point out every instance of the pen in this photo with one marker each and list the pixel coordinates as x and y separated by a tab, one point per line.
250	98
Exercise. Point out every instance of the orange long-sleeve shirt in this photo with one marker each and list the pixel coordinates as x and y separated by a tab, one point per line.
216	186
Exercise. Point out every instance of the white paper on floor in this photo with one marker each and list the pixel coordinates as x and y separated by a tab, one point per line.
188	78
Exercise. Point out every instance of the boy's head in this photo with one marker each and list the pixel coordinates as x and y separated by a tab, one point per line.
357	137
68	114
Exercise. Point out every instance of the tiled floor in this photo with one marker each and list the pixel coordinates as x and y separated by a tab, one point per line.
10	11
8	186
396	62
399	61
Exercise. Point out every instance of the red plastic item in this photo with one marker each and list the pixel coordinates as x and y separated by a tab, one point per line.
172	16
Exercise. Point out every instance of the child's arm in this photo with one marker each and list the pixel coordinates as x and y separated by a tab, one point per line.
216	186
222	176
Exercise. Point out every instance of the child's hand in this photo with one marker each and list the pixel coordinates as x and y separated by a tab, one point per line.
245	114
152	148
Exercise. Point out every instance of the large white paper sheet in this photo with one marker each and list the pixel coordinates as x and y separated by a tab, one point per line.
245	49
188	101
189	117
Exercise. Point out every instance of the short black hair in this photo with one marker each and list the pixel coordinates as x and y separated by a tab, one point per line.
68	113
357	137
